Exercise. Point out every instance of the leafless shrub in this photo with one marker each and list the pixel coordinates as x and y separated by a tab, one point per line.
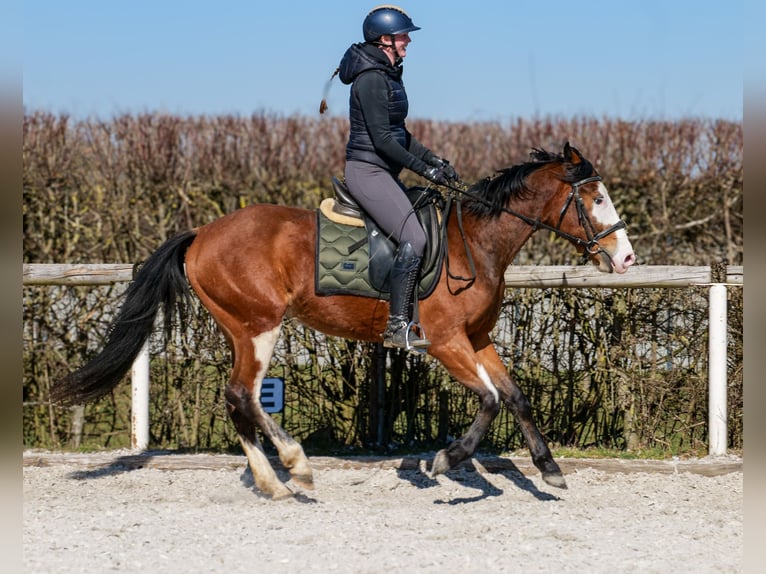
615	368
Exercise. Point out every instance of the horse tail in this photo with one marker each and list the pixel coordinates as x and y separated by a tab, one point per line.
160	282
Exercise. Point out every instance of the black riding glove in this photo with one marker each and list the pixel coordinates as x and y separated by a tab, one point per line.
444	165
436	175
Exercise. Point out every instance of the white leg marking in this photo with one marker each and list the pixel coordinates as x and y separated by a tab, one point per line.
290	453
484	376
266	479
263	345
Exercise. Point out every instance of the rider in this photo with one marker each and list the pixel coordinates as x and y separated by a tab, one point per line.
379	147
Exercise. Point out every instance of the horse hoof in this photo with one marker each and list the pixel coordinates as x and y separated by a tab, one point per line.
304	481
282	496
440	464
555	479
275	491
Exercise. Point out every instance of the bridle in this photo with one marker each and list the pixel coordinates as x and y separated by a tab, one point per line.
591	245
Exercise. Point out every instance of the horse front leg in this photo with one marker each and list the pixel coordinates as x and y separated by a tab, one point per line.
542	458
515	399
459	358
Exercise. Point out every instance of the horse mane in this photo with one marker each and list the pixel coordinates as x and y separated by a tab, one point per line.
492	194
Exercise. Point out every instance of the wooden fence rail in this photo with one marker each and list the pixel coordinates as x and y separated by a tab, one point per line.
646	276
667	276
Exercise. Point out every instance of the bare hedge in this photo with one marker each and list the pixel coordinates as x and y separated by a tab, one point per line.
611	368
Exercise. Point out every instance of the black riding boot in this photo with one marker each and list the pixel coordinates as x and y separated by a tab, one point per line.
404	278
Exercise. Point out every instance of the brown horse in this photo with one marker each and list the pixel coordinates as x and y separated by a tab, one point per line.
254	267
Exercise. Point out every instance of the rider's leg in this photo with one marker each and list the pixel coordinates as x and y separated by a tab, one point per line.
382	196
404	280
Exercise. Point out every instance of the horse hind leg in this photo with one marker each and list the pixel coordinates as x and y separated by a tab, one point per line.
253	357
291	453
266	479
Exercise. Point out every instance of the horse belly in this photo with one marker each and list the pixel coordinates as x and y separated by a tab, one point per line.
346	316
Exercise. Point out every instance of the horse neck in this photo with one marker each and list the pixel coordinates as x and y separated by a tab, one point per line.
494	241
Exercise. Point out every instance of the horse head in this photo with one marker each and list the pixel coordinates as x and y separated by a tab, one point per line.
562	193
584	212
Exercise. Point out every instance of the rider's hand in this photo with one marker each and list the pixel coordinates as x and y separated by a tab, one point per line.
447	169
450	172
436	175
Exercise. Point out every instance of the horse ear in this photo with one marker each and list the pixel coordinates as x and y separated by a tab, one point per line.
571	154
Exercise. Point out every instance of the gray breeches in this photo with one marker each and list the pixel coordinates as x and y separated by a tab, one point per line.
382	196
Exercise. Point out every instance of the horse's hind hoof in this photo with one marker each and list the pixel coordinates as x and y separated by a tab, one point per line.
304	481
440	464
282	496
275	491
555	479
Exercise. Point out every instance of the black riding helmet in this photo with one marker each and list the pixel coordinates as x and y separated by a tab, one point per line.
386	20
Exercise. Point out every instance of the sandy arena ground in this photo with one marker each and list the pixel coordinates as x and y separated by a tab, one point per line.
200	513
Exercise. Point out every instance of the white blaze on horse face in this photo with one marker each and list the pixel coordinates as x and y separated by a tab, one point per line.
484	376
603	212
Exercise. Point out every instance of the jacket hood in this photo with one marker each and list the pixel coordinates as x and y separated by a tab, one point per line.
361	58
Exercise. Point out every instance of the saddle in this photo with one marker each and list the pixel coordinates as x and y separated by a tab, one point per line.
355	257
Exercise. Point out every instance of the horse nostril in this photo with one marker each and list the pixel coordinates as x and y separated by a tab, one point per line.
629	260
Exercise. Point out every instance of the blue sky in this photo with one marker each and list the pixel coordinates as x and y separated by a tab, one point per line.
485	60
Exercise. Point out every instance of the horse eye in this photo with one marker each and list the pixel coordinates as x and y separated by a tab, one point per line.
599	200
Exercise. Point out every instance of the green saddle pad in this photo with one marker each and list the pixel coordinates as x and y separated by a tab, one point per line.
343	262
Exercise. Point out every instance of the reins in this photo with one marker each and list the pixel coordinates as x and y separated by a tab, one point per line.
443	233
591	246
437	197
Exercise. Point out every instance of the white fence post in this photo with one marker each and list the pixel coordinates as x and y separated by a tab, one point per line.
139	379
717	415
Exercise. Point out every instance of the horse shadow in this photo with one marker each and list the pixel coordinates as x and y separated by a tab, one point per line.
120	465
131	462
416	474
475	473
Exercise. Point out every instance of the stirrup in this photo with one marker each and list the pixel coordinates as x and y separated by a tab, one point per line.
405	337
